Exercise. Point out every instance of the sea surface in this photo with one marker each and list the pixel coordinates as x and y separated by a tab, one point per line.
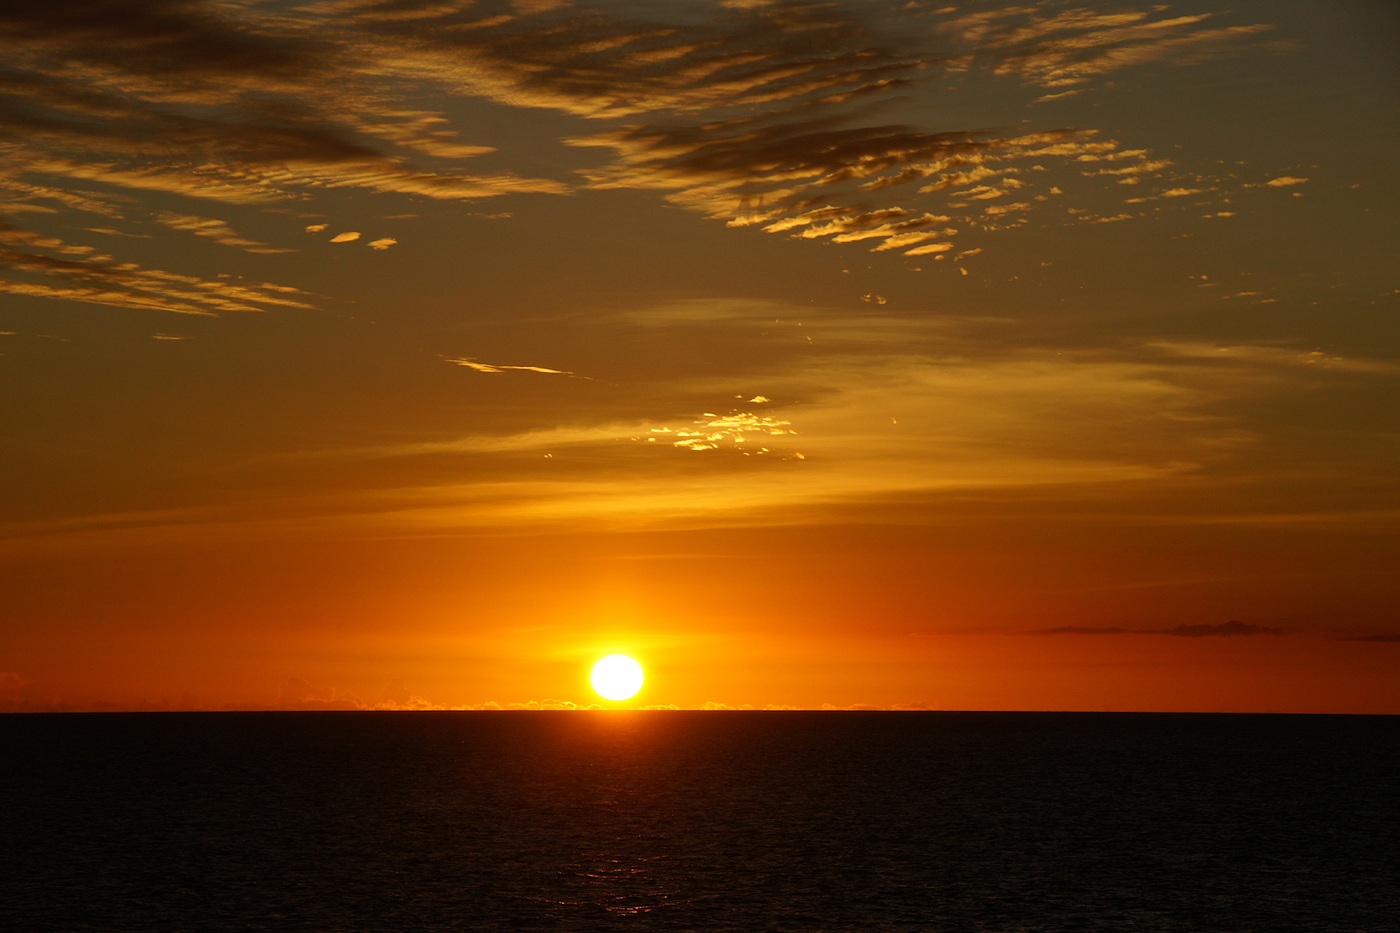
868	821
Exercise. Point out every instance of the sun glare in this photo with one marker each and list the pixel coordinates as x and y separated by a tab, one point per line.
617	677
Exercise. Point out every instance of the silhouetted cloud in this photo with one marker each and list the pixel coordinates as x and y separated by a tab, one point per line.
295	693
1204	630
1383	638
1223	629
1086	630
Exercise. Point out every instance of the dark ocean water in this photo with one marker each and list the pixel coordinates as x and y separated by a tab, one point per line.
699	821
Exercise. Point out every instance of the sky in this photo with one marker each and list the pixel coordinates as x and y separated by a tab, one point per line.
408	354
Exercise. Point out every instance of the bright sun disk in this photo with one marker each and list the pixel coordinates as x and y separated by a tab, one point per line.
617	677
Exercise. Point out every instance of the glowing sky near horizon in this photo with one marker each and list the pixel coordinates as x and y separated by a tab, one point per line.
409	354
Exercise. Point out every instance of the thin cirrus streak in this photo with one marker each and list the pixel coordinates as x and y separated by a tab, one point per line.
897	424
889	412
891	428
753	113
1063	48
216	230
1231	629
81	273
496	368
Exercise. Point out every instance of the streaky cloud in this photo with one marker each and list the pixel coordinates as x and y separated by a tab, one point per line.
497	368
216	230
229	103
1229	629
56	269
755	113
1379	638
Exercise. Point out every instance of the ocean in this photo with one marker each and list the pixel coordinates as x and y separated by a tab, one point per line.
744	821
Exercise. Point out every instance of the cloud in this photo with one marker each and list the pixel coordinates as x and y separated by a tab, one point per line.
294	693
213	102
1268	360
496	368
810	178
383	243
348	237
1086	630
877	407
867	406
751	112
1205	630
882	414
1064	48
762	115
1285	181
216	230
736	430
1223	629
49	267
715	706
1381	638
546	705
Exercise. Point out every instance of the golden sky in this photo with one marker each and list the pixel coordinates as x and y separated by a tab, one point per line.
950	355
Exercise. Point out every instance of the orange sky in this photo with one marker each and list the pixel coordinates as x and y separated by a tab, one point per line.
931	355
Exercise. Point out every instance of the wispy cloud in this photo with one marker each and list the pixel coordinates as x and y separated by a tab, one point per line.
811	161
854	408
496	368
216	230
48	267
878	421
223	103
1203	630
1057	46
753	113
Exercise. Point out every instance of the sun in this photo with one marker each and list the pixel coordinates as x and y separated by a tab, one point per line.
617	677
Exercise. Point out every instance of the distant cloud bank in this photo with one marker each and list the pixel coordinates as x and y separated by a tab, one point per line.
1204	630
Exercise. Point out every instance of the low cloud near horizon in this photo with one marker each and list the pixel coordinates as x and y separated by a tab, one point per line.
1204	630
